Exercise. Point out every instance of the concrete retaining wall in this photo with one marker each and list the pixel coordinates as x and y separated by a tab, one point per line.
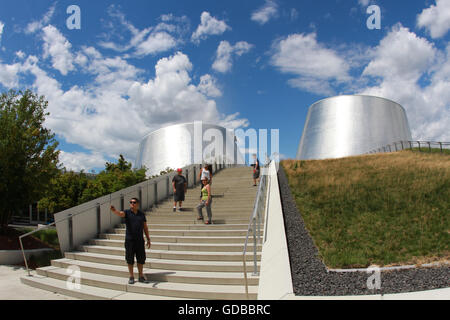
8	257
275	280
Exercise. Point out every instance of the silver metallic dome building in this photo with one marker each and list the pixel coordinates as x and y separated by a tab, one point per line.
350	125
183	144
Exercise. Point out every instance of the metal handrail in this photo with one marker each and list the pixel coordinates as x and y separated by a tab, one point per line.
255	219
409	144
85	210
70	216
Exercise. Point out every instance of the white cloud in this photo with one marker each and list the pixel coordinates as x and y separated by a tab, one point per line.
314	65
436	19
225	50
364	3
150	40
2	25
402	62
317	86
58	48
78	161
223	57
208	26
208	86
171	97
156	42
401	55
34	26
114	110
9	77
233	121
20	54
268	11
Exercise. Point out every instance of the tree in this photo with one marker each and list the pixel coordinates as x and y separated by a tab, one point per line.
114	178
28	154
65	191
122	165
69	189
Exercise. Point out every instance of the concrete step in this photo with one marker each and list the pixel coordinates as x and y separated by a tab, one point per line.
166	275
196	233
174	255
86	292
171	239
198	247
219	218
155	226
179	290
215	209
181	219
187	265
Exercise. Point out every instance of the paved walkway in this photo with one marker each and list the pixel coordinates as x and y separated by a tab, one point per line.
12	289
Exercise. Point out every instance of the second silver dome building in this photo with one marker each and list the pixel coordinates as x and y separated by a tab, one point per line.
183	144
351	125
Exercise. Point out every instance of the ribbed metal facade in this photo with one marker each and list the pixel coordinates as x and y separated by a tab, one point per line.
183	144
351	125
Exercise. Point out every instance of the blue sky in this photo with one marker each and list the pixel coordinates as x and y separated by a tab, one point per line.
135	66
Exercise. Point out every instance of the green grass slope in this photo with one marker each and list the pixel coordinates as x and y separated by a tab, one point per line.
383	209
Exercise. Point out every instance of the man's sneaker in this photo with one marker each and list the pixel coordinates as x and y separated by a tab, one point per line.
174	209
143	280
131	281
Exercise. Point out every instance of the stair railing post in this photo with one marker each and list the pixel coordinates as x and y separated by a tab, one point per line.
255	267
140	194
99	221
70	226
195	178
167	186
155	202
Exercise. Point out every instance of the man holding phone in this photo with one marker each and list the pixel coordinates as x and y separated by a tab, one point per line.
136	224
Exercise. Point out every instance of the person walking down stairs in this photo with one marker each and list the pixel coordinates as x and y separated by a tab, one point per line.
205	201
136	224
179	185
206	172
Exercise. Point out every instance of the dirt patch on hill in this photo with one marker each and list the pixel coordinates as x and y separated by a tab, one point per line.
9	240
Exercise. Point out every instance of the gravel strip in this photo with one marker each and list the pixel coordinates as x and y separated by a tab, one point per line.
310	276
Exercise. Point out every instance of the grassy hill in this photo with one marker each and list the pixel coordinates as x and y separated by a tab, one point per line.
383	209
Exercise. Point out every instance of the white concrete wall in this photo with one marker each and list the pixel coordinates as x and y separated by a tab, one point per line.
275	281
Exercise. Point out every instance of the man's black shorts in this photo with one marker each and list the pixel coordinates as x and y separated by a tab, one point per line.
135	247
178	196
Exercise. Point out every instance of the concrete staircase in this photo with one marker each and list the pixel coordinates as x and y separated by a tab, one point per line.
187	260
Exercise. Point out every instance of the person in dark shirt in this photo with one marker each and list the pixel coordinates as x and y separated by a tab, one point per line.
179	185
136	224
256	170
